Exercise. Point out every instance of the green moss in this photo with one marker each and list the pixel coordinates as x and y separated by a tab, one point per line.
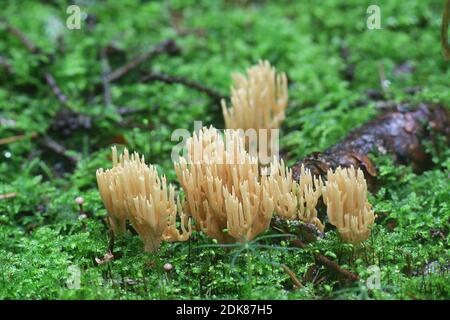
41	235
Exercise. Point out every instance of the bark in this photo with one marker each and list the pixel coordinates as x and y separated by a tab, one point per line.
444	30
399	132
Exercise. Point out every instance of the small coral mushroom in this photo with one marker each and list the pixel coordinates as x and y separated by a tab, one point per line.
132	190
283	189
345	194
223	187
258	101
295	201
113	197
309	191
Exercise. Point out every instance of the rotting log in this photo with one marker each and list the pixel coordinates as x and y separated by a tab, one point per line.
400	132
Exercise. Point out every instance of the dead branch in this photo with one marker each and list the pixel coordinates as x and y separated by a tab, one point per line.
319	258
168	46
17	138
400	132
292	275
58	148
444	30
153	76
29	45
7	196
331	265
21	36
55	88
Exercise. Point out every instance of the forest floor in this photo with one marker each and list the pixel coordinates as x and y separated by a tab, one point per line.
62	117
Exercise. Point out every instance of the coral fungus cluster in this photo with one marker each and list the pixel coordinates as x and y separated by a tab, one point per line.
345	195
132	190
258	100
224	188
258	103
296	200
228	194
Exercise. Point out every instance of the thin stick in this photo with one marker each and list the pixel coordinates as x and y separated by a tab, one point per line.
55	88
35	50
327	262
321	259
444	30
58	148
168	46
7	196
292	275
17	138
21	36
153	76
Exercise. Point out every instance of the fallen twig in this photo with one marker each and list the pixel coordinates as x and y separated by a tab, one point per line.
168	46
21	36
35	50
292	275
58	148
17	138
444	30
55	88
153	76
321	259
7	196
401	132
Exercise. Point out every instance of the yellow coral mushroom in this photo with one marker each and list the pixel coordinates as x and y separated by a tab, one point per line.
258	103
132	190
223	187
345	194
258	100
283	189
309	191
295	200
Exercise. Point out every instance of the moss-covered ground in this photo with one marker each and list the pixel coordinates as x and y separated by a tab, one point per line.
332	61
